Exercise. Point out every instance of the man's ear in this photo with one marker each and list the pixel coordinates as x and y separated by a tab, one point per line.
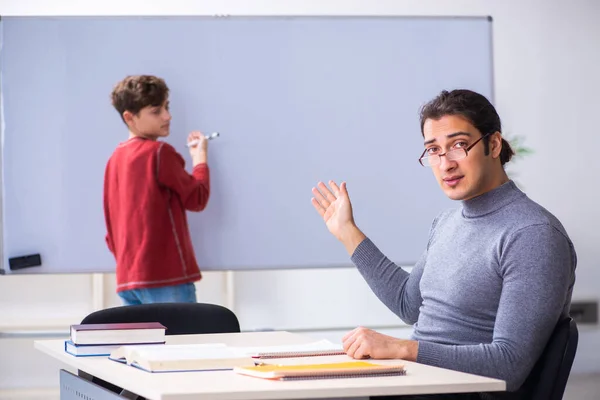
496	144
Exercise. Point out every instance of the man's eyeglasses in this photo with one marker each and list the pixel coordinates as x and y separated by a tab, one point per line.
451	155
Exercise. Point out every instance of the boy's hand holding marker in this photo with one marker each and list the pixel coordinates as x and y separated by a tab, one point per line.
197	142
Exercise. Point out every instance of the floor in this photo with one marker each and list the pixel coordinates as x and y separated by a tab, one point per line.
583	387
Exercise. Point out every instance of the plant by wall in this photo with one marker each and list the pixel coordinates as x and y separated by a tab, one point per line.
521	151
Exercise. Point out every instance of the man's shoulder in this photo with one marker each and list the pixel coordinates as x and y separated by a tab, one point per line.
528	213
445	215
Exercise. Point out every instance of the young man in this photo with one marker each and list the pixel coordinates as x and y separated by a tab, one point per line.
497	273
146	194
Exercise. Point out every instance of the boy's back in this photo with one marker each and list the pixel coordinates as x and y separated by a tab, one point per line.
148	226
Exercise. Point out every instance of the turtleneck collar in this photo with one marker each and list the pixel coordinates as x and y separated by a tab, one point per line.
491	201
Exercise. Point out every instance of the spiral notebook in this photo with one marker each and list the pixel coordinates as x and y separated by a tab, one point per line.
351	369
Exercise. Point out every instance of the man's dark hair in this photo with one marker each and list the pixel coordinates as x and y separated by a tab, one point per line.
138	91
473	107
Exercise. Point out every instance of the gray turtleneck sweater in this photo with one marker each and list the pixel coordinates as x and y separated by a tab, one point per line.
484	297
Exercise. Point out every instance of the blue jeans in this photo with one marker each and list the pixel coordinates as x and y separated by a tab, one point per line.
184	293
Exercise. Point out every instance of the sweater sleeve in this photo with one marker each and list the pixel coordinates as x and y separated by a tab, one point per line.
399	290
193	189
537	267
396	288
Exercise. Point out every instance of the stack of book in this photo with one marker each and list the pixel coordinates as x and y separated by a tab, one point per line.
102	339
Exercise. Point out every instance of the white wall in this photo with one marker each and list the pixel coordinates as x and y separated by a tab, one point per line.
546	61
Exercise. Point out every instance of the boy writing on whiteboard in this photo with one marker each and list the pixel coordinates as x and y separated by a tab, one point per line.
147	191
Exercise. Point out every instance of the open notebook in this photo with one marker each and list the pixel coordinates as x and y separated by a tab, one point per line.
187	357
350	369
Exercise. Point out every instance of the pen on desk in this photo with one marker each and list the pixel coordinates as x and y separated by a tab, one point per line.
212	136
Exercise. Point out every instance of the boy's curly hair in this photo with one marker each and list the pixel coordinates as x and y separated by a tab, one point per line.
138	91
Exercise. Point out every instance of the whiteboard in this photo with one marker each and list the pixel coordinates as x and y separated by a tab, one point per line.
296	100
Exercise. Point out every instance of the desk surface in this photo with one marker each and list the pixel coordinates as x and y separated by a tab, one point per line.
226	385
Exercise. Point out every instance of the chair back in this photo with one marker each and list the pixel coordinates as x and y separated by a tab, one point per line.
178	318
548	378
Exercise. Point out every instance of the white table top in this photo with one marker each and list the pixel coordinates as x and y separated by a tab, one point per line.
227	385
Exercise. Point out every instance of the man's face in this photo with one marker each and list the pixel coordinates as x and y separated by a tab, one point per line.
474	174
151	122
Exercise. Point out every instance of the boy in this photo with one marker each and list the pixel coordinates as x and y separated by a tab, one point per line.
146	194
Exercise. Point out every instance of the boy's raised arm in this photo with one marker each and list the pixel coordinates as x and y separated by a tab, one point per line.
193	189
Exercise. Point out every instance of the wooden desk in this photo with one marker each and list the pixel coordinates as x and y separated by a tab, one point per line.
226	385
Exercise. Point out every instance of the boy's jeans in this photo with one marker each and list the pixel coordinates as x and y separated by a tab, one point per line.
184	293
